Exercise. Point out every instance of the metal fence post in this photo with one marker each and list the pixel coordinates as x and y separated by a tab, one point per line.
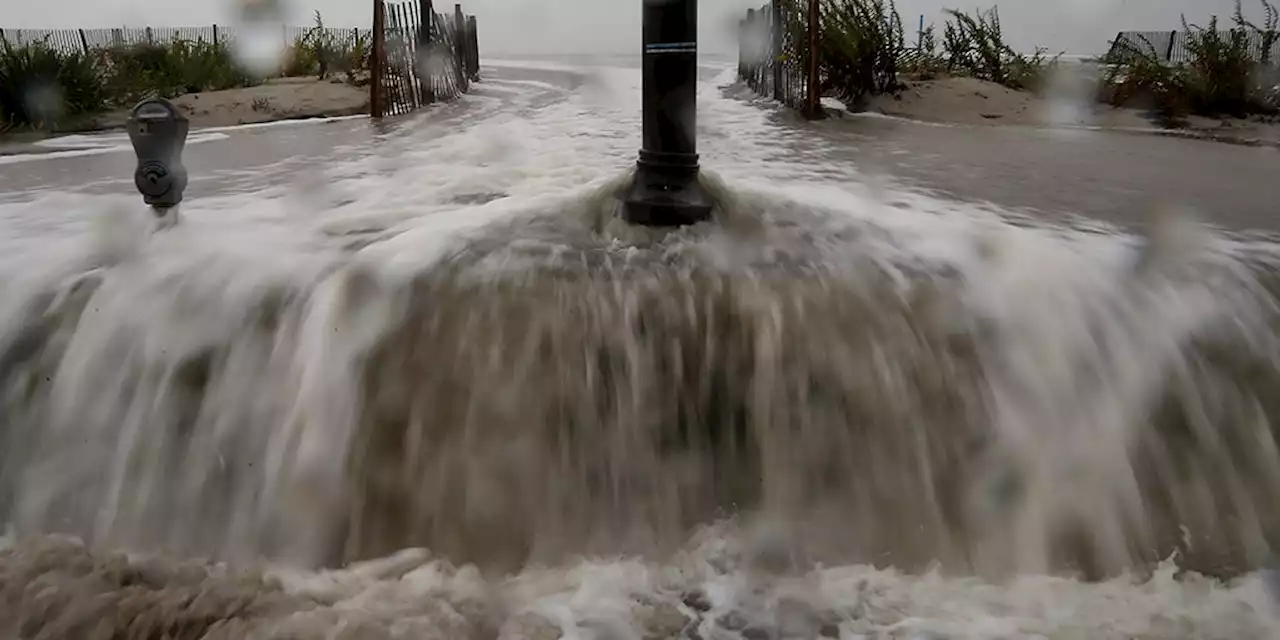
377	59
1168	54
84	42
150	37
215	35
812	97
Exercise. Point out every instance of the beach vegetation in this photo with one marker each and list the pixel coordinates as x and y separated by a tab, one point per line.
863	51
1232	71
42	87
861	48
47	87
974	45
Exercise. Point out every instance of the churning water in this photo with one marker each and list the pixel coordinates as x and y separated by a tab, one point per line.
844	410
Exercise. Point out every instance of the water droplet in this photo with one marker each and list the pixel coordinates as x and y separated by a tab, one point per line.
261	39
44	101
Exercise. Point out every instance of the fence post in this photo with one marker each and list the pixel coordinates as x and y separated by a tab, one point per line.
424	27
426	13
215	35
150	38
775	52
377	59
459	46
84	42
1168	54
473	34
812	97
752	49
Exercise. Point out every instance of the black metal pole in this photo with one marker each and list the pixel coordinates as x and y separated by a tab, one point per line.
666	191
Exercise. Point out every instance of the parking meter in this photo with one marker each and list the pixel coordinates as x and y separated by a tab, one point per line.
158	131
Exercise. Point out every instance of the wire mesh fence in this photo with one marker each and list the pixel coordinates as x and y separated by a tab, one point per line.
88	40
420	56
1175	47
774	53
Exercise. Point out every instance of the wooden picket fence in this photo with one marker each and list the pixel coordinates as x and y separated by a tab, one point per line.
1175	46
419	56
776	54
88	40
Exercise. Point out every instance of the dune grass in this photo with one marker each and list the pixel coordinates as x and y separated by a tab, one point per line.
44	88
863	51
861	47
1228	72
974	45
131	73
41	87
320	53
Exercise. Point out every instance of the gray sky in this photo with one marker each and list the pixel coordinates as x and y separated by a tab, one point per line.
612	26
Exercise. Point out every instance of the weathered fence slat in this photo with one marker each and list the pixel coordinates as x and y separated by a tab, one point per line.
777	53
421	57
1174	47
378	62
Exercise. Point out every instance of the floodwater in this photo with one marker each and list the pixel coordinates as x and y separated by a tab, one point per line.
414	380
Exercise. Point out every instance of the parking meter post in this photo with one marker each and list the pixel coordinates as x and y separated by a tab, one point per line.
158	132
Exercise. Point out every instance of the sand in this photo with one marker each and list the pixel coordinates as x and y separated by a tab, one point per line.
968	101
276	99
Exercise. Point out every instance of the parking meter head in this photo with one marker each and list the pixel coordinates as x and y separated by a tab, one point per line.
158	132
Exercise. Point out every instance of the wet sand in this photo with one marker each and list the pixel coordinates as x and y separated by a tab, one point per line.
275	100
968	101
1110	176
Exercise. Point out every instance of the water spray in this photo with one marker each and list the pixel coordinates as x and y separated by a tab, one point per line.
666	191
158	132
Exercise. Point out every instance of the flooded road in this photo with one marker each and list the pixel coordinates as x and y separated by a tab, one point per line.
1115	177
415	380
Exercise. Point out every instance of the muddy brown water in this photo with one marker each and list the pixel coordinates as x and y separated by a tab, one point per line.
418	381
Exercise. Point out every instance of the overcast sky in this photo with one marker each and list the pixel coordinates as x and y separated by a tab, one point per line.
590	26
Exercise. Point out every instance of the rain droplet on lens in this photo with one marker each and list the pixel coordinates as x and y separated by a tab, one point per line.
44	101
261	40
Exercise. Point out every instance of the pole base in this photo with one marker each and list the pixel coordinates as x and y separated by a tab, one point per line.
659	198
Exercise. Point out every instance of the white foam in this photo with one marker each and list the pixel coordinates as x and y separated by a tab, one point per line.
81	146
1040	286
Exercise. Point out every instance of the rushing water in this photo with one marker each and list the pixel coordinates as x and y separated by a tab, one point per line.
844	410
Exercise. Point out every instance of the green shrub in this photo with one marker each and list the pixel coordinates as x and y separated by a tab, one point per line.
1223	75
923	61
860	48
320	52
43	88
134	72
357	58
1137	76
974	45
